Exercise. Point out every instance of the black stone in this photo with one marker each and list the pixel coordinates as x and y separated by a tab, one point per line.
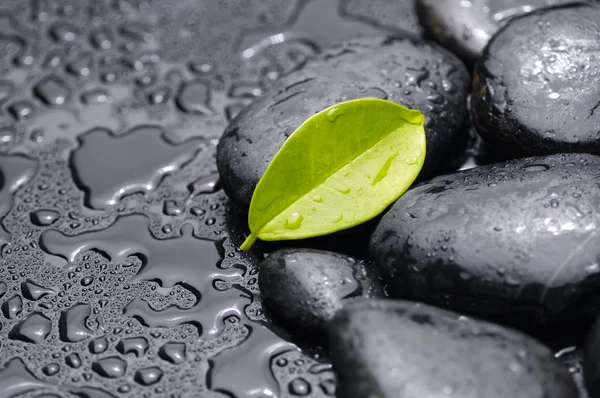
385	348
536	87
416	75
307	287
516	242
465	27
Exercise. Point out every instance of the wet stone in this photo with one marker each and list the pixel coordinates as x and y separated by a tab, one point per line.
110	367
406	72
33	329
148	376
465	27
536	90
392	348
515	242
52	91
307	287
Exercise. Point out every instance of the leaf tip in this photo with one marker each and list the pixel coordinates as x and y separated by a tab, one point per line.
249	242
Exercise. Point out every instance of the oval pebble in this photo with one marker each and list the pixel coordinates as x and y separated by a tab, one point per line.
416	75
536	87
306	287
388	348
517	242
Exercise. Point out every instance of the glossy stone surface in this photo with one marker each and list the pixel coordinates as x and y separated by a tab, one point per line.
466	27
307	287
514	241
418	76
388	348
536	89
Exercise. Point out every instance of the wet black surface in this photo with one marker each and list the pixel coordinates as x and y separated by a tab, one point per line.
120	274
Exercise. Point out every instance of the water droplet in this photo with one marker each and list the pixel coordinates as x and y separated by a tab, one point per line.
21	110
299	387
343	190
73	360
294	221
173	352
245	90
12	307
98	346
82	66
33	329
554	203
205	185
110	367
52	90
51	369
34	292
535	167
148	376
109	167
64	32
333	114
44	217
318	198
170	208
133	345
194	97
72	324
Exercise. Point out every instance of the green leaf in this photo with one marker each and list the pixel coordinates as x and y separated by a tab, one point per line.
340	168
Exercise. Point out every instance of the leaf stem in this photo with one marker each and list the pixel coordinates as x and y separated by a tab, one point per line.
250	240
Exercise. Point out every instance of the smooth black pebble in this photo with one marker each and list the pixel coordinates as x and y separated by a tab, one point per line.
516	242
417	75
306	287
536	86
389	348
465	27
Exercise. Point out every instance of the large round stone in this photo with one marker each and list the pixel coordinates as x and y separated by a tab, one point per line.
416	75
